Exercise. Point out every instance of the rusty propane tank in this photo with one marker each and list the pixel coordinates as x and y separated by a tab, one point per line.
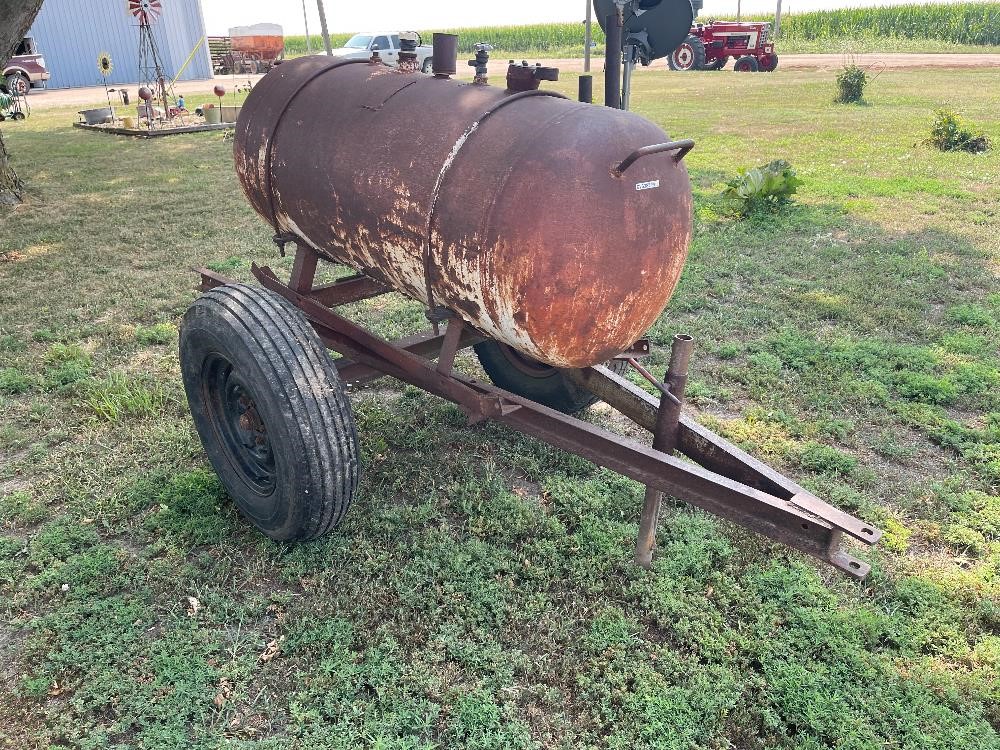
538	220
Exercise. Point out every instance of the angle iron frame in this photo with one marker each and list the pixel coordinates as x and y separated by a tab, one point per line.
724	480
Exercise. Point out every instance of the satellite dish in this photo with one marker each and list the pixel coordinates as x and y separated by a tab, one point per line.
656	26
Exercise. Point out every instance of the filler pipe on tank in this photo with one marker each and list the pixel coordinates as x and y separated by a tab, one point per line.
445	55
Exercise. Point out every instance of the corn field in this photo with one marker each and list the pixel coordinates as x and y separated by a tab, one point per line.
953	23
957	23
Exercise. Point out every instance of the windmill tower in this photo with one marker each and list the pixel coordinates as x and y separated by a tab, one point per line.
150	65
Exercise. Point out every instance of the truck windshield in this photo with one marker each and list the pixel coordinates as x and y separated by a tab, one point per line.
359	41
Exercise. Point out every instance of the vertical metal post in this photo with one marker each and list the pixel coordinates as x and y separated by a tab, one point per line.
449	347
613	62
588	39
305	17
303	269
322	26
586	89
665	440
631	52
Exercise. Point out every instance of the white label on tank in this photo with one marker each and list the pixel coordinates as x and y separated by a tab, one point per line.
647	185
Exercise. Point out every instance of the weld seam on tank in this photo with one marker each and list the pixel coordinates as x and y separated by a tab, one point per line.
488	218
334	64
439	182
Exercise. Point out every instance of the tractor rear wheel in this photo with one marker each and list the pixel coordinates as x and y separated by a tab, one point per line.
271	411
768	63
717	64
689	55
746	64
507	368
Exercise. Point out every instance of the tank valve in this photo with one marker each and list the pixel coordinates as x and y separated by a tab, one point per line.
408	43
481	62
526	77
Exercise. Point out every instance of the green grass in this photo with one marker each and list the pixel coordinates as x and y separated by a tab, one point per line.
481	592
942	27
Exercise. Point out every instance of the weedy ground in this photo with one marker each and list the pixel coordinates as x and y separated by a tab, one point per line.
481	592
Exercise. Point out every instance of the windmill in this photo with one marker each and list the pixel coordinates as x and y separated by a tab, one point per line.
150	66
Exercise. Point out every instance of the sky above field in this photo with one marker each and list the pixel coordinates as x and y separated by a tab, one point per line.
342	16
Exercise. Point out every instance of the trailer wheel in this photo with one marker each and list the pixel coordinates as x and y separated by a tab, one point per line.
768	63
746	64
689	55
271	411
549	386
428	66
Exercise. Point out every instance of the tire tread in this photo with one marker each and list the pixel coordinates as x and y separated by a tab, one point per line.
294	361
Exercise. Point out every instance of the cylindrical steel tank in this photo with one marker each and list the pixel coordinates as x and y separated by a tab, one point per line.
505	208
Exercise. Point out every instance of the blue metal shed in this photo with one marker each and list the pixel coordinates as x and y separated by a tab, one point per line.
70	34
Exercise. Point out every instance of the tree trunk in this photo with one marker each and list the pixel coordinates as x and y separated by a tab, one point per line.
11	188
17	17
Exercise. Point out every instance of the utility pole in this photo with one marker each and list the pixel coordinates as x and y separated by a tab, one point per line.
305	17
777	20
323	28
588	37
739	14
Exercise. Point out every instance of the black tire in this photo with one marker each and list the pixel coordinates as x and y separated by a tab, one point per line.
689	55
746	64
549	386
717	64
768	63
271	411
428	65
18	84
18	116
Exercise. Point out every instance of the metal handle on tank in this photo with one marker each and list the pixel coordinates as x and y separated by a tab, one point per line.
682	147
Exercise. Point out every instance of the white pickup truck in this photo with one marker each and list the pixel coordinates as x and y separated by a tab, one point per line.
360	46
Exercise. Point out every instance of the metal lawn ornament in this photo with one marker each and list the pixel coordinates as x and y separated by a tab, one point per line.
151	70
105	67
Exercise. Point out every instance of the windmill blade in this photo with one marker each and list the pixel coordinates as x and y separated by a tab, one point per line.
145	10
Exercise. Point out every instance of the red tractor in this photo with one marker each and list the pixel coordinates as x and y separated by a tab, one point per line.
710	45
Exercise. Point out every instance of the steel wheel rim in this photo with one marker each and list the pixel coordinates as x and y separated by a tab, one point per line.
684	56
238	426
